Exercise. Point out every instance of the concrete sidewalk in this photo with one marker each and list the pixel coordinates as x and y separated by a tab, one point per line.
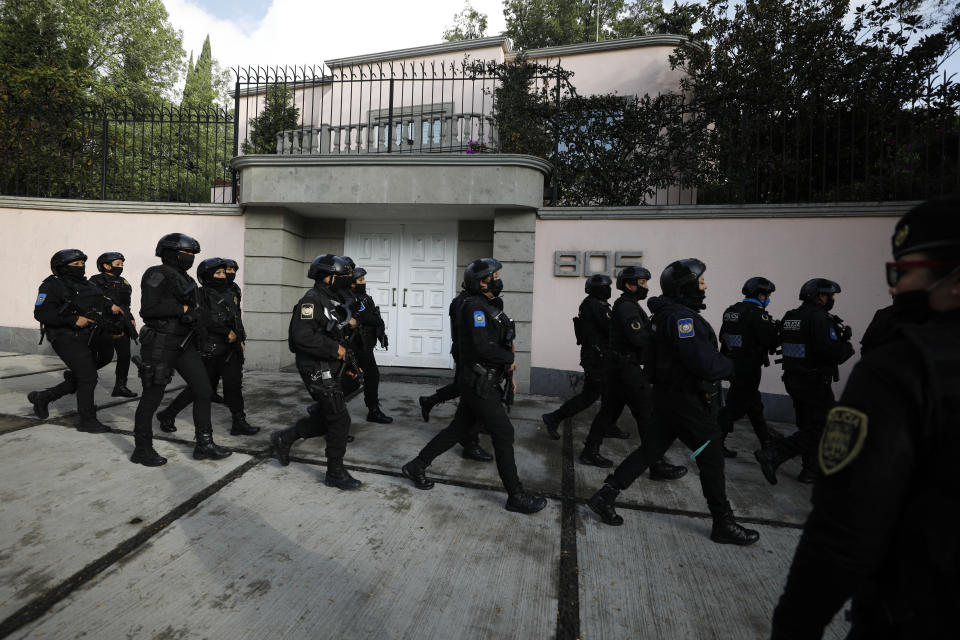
94	546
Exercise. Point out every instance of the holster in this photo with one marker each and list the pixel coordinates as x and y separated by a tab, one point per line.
326	391
153	370
482	381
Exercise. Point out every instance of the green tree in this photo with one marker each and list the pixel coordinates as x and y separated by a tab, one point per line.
206	81
278	114
469	24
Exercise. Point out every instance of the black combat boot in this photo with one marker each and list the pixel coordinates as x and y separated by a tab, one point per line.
613	431
338	477
727	453
602	504
769	459
767	436
427	403
525	503
40	400
145	454
552	424
416	472
591	456
810	471
90	424
216	397
663	470
376	415
120	389
475	452
282	441
241	427
166	422
727	531
206	448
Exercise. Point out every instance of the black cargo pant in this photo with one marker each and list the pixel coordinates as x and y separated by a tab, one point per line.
690	416
83	361
593	378
162	355
626	386
122	346
452	392
228	366
331	418
812	396
743	399
371	377
479	403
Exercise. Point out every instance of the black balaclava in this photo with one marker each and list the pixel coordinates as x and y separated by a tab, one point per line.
495	287
72	273
361	289
177	259
231	276
113	271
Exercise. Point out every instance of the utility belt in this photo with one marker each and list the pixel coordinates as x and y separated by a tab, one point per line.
812	374
170	326
483	381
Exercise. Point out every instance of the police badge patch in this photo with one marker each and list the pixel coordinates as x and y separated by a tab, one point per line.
306	311
479	319
685	327
40	299
842	438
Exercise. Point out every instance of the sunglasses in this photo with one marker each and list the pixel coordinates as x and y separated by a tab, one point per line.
895	270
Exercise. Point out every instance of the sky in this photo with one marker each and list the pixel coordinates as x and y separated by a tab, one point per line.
303	32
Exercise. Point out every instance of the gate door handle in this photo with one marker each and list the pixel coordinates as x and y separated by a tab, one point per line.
404	297
393	297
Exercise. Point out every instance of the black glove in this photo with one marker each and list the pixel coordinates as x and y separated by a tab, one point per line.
847	333
382	339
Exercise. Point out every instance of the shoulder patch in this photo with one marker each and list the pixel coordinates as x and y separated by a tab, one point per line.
685	327
40	299
479	319
842	439
154	279
764	316
306	311
833	334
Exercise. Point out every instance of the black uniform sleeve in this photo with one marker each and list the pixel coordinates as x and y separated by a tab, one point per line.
633	325
308	338
690	336
214	313
368	316
156	301
481	331
50	300
827	342
855	509
765	330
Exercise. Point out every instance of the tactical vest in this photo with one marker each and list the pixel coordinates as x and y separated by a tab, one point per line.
115	288
795	341
619	345
736	332
331	317
506	328
184	287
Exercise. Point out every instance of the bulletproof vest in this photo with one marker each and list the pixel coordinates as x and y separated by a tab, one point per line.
330	316
795	340
82	298
926	546
618	342
496	318
589	335
660	363
184	290
737	333
117	289
456	305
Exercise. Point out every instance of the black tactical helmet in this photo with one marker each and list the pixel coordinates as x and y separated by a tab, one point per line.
108	257
757	285
931	226
350	262
208	267
817	286
230	263
64	257
478	270
177	242
596	281
328	265
359	272
681	278
631	273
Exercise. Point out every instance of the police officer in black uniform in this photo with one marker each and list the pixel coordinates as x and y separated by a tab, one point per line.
118	290
814	343
471	449
686	368
79	321
222	348
591	326
627	384
171	310
748	336
318	337
231	271
886	511
485	336
371	331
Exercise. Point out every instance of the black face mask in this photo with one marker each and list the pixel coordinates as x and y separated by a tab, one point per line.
912	307
603	293
495	287
642	292
830	302
177	260
115	271
73	273
361	289
231	277
218	283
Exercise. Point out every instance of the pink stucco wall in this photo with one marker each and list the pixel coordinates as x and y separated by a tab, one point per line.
33	235
789	251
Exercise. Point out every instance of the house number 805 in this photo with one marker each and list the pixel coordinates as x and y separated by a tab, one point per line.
572	264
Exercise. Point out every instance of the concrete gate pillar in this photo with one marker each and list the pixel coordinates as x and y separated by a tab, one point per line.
513	243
